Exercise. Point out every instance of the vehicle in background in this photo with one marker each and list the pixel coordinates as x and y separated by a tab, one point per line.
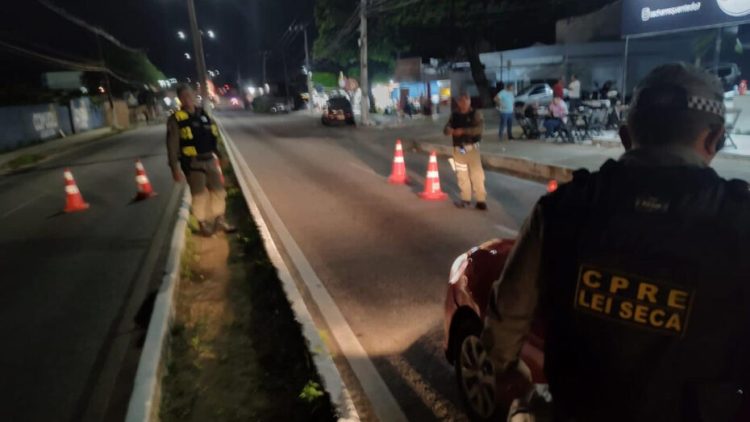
540	94
338	110
469	287
269	104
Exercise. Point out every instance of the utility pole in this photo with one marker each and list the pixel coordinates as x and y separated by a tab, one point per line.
286	77
107	85
363	83
265	54
200	59
308	73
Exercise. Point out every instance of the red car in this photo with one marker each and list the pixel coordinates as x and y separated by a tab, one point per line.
471	279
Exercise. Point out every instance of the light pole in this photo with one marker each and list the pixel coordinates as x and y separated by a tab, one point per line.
200	59
303	28
364	84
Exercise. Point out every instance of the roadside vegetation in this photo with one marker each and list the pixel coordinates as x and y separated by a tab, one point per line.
236	352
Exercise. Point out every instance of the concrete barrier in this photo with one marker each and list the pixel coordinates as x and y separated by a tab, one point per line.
507	164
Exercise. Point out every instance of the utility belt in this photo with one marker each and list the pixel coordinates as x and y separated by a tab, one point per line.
464	148
187	162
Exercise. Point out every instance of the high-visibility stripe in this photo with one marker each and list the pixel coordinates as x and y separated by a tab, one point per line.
141	179
398	147
71	189
68	176
398	159
433	159
139	166
432	175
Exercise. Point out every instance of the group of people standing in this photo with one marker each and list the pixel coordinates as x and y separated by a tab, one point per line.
505	101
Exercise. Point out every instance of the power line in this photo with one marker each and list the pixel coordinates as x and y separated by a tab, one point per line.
69	64
80	22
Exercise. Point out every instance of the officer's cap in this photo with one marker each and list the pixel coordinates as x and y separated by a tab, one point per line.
677	87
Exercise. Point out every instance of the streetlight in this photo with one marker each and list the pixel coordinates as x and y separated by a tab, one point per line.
187	56
181	35
211	34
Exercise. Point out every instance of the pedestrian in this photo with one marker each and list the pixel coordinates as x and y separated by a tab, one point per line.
557	118
639	271
466	125
505	101
192	150
574	92
557	90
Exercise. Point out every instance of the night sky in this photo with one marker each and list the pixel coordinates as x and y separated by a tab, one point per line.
243	28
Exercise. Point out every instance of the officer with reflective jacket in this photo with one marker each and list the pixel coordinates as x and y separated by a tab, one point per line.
639	272
192	148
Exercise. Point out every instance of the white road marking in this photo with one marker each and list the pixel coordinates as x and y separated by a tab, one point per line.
443	409
506	230
383	403
363	168
21	205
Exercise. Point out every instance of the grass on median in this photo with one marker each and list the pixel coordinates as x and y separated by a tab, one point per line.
236	352
24	160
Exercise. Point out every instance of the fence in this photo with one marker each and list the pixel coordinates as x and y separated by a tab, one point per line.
24	125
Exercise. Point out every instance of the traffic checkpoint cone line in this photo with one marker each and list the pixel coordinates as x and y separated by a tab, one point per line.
432	190
143	186
73	198
398	171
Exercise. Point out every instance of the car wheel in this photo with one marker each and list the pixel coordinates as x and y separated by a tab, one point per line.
474	374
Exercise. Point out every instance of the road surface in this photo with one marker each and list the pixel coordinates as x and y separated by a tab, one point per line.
72	282
382	253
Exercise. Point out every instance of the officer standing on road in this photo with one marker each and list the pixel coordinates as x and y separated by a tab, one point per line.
466	125
638	272
192	148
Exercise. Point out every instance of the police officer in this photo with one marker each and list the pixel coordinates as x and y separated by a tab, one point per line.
639	272
466	125
192	149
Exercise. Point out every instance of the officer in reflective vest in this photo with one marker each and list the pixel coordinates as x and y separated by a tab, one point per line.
192	149
639	272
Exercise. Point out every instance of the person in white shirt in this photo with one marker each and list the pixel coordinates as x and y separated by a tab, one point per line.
574	91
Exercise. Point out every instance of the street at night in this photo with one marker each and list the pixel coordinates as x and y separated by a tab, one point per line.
375	210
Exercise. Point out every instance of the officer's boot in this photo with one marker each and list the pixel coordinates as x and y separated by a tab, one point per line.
205	228
221	224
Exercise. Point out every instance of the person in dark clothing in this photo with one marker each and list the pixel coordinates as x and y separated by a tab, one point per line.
192	150
466	126
638	272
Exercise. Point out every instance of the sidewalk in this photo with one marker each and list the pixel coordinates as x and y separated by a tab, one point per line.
37	152
541	160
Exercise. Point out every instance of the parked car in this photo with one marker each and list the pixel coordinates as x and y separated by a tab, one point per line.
540	94
337	110
470	282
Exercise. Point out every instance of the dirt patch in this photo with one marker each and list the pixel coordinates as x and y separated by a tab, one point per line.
236	352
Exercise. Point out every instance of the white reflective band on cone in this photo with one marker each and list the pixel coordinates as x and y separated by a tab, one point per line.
71	190
398	159
432	175
68	175
141	179
398	147
139	166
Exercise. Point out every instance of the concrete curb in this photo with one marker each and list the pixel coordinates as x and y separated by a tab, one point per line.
497	162
146	396
329	374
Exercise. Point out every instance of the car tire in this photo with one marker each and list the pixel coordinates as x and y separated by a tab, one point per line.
474	374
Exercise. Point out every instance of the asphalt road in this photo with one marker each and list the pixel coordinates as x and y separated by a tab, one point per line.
382	253
71	283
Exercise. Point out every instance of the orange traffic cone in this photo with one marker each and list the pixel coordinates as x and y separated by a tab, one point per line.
552	186
398	173
144	189
432	190
73	198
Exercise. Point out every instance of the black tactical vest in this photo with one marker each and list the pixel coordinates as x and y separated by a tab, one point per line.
461	120
198	133
646	295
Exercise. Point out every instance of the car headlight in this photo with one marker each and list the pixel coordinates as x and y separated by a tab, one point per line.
458	267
